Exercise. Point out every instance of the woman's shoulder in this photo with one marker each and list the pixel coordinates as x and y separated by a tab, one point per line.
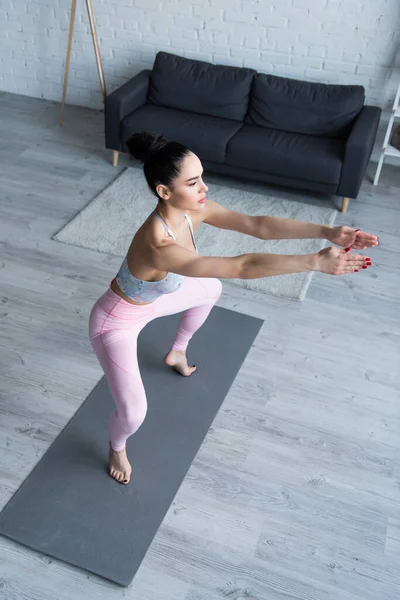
150	235
141	252
153	235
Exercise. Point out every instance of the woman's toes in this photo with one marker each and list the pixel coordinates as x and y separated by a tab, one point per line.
120	477
115	474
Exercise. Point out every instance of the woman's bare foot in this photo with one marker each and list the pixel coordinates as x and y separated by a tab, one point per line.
177	359
120	467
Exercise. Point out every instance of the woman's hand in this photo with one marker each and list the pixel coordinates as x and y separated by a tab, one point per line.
335	261
352	238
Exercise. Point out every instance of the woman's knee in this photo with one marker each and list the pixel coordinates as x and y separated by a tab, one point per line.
131	404
132	418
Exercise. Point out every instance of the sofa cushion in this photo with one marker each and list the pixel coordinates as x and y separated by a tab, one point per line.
303	107
200	87
205	136
286	154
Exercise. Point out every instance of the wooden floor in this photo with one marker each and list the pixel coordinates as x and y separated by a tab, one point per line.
295	493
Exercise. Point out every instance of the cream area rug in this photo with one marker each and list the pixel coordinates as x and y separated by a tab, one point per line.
108	223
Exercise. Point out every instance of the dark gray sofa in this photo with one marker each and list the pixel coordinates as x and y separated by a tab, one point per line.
311	136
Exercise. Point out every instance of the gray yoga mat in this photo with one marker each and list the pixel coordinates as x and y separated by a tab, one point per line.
70	508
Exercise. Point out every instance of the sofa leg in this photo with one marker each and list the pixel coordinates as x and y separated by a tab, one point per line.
345	203
115	157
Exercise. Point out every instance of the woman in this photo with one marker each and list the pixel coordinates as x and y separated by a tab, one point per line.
163	274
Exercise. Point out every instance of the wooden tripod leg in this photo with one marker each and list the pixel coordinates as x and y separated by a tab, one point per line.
96	46
71	30
345	204
115	157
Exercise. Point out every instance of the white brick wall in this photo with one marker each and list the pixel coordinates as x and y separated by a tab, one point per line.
332	41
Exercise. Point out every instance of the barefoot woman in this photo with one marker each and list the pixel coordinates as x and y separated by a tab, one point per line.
163	274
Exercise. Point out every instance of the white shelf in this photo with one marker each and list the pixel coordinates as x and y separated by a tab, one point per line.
387	148
392	151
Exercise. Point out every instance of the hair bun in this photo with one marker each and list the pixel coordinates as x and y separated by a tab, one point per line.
144	144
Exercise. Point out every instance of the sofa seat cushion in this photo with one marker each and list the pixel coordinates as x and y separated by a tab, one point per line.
205	136
321	109
200	87
287	154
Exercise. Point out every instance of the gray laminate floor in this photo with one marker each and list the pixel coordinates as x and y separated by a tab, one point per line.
295	493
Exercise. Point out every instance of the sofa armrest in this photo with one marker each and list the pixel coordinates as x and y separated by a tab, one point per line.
358	150
122	102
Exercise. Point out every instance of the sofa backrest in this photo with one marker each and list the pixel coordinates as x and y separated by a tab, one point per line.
200	87
318	109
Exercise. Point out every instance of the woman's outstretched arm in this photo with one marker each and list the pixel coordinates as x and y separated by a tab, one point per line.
174	258
263	227
278	228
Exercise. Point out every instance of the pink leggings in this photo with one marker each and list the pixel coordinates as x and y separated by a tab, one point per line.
114	326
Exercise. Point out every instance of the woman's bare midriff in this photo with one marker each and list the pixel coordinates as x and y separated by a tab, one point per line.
116	289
